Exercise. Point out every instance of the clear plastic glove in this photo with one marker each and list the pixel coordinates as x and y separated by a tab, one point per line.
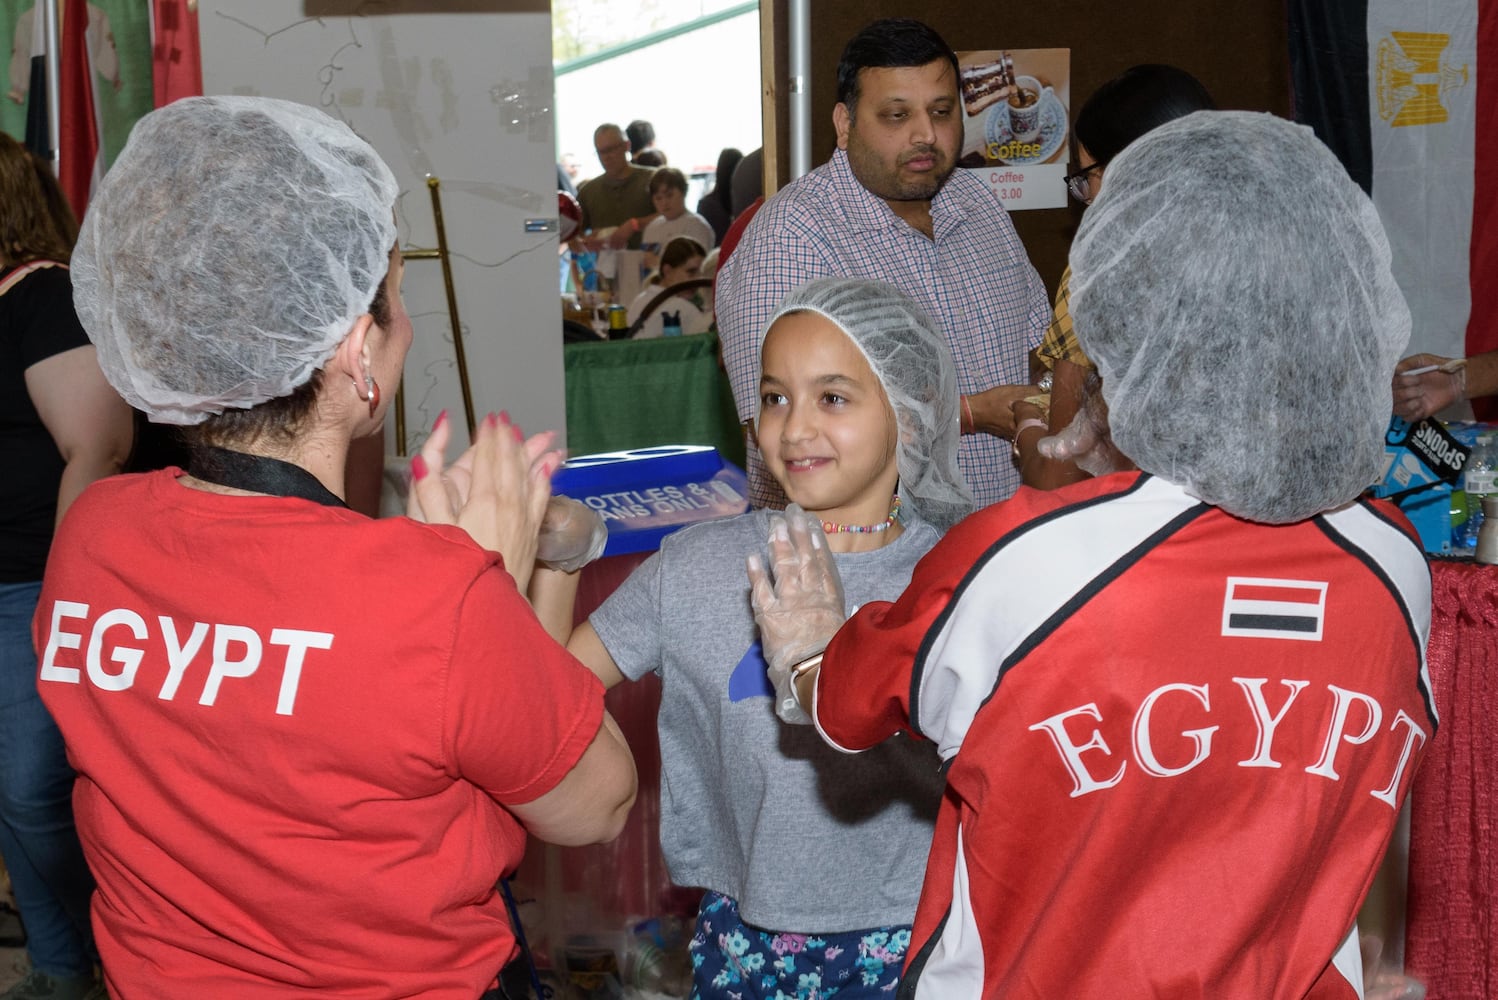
496	492
798	601
1086	442
1385	984
1428	393
572	535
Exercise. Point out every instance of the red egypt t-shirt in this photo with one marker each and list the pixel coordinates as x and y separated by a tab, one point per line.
1177	741
294	728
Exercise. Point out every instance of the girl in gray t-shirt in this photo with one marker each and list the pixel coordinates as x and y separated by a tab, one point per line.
812	860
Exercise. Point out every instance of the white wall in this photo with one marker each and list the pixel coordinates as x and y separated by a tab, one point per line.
462	91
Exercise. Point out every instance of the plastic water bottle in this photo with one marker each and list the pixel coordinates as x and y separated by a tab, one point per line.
1479	479
657	959
671	324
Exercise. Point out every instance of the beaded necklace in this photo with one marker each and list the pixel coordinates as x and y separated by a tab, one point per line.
833	528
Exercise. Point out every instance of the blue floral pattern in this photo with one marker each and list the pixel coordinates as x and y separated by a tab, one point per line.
734	961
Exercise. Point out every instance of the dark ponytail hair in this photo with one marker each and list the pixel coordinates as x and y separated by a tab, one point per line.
1139	99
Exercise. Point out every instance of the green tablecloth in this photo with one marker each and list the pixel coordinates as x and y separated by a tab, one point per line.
626	394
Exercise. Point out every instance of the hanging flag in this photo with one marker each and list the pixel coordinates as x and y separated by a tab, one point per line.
176	57
105	81
1329	79
28	80
78	124
1422	131
1394	89
1482	329
1422	60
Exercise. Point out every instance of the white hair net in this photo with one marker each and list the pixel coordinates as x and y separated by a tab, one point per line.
910	358
228	251
1232	284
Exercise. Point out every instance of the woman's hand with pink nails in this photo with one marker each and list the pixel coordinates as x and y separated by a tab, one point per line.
511	484
497	491
436	494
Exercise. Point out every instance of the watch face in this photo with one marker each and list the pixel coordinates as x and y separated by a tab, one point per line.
1045	382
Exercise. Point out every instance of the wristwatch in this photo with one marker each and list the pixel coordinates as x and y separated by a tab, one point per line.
1045	381
811	663
800	670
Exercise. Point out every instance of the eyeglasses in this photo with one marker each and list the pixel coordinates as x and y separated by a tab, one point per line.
1079	183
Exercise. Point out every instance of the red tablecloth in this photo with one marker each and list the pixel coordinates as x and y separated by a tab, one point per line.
1451	940
602	888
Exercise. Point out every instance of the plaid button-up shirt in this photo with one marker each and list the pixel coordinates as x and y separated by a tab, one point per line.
973	278
1060	341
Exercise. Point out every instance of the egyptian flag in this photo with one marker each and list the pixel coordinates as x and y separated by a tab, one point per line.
1274	609
1395	89
38	124
91	54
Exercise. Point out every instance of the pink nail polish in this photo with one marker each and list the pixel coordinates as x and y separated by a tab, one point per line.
418	468
441	417
504	416
491	421
519	434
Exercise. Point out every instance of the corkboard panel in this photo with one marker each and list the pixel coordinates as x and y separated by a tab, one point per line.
1237	49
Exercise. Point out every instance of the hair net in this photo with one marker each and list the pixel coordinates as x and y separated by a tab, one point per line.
1233	286
910	358
228	251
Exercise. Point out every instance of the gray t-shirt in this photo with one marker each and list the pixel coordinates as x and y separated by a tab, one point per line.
806	839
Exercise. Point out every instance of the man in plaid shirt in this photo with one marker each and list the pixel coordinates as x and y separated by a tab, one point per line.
889	205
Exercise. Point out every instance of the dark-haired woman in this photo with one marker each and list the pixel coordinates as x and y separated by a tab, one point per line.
717	205
61	428
1139	99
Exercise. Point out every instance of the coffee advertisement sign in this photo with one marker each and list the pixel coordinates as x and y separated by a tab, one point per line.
1016	107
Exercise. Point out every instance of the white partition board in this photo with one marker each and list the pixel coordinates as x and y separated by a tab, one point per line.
460	91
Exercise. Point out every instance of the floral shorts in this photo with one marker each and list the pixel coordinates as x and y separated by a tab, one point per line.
734	961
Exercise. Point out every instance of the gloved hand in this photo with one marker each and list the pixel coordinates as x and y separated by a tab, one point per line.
1385	984
572	535
798	610
1086	442
1441	382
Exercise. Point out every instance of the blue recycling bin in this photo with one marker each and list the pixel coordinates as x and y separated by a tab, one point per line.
645	494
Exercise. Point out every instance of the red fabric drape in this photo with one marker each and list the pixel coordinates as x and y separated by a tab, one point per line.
1482	325
78	133
1451	942
176	57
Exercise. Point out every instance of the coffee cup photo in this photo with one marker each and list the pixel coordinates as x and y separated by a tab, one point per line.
1024	108
1014	104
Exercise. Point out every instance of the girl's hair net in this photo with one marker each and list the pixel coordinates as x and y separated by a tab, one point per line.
1232	284
228	251
910	358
